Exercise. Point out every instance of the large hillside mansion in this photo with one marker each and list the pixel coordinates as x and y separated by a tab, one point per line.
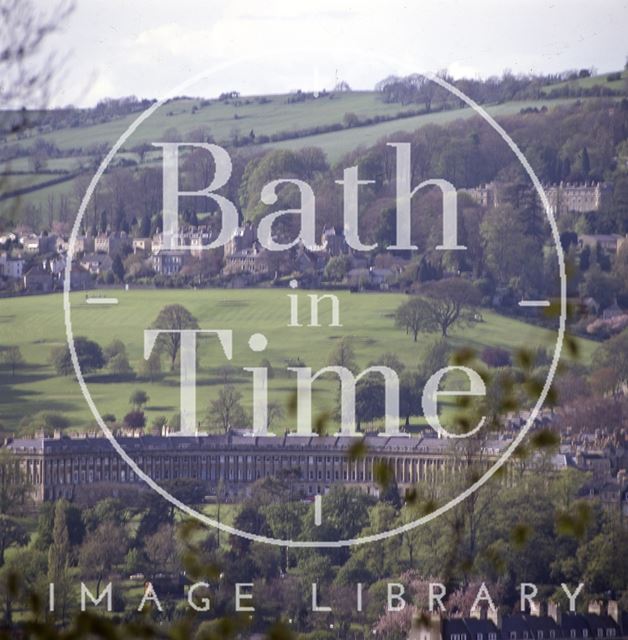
564	197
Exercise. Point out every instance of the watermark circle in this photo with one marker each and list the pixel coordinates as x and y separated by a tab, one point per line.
316	543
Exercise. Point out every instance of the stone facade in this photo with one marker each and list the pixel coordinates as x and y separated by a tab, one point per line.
563	197
86	467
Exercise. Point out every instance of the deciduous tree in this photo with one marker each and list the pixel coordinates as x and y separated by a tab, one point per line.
174	317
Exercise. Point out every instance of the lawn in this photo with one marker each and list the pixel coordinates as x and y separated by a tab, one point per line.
36	324
592	81
277	115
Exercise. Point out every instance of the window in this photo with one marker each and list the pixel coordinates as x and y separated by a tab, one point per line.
552	634
513	635
585	633
573	633
539	635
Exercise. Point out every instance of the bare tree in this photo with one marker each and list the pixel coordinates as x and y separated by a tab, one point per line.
226	411
24	28
25	74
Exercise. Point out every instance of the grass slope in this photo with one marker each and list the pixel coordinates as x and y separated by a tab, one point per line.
588	83
36	325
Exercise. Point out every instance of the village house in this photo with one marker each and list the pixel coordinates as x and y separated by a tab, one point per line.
84	244
56	265
96	263
334	242
38	280
11	267
196	242
607	241
142	246
110	243
42	243
9	237
614	311
80	278
169	263
61	245
241	241
253	260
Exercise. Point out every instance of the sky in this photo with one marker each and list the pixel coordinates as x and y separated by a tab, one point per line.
115	48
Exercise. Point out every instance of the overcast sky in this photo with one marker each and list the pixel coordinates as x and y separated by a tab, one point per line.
147	47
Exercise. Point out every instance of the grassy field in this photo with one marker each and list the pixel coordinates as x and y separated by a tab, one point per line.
223	119
588	83
36	325
338	143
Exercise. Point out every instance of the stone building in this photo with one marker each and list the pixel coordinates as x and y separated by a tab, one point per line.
564	197
83	468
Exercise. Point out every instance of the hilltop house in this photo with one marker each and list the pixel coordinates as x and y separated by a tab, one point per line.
563	197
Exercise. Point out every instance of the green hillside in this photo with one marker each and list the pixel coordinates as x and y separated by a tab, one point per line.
36	325
261	117
592	81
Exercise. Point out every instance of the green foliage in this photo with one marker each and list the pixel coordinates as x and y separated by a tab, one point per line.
174	317
114	348
88	353
337	268
119	366
602	287
11	533
12	358
138	399
450	301
44	421
614	354
415	316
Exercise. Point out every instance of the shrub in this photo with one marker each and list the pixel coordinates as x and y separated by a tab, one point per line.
135	419
496	357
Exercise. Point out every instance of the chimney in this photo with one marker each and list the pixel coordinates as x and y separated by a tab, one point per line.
554	612
613	611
